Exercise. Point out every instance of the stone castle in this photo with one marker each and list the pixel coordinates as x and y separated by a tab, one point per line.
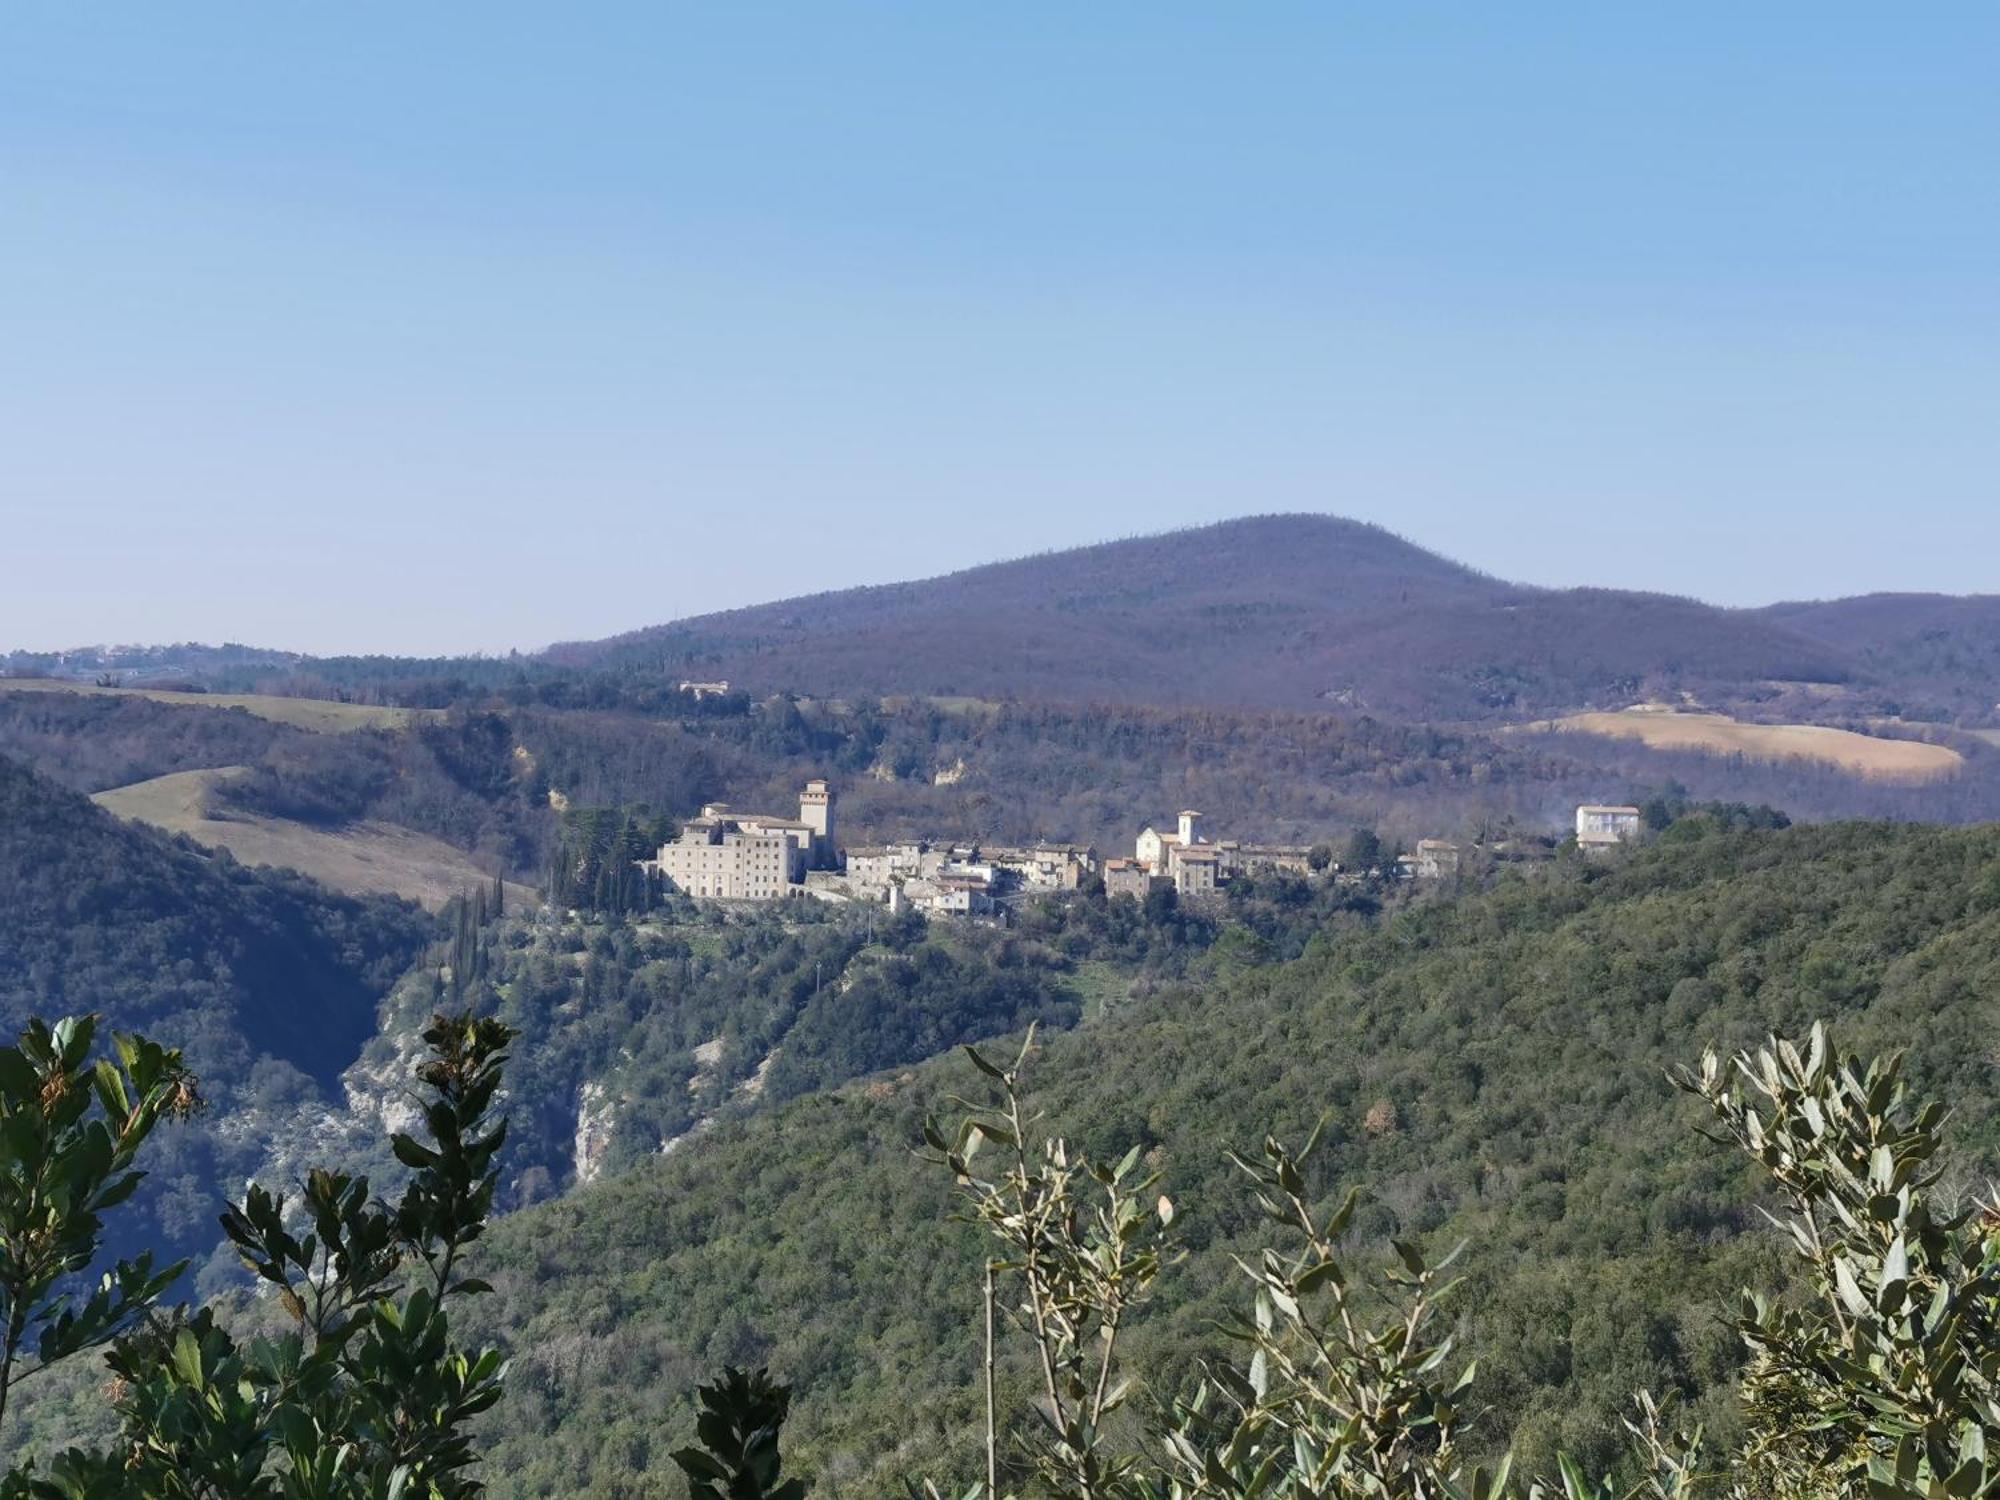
746	856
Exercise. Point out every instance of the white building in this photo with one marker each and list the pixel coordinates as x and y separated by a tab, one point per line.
1153	845
956	892
1599	827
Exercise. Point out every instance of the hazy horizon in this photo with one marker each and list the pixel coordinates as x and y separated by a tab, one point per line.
388	333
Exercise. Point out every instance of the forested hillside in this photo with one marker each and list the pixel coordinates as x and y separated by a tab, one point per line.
635	1035
1490	1068
1286	612
92	743
267	981
1939	650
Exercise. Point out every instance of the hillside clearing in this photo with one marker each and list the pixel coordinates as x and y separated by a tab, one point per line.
319	716
361	859
1863	754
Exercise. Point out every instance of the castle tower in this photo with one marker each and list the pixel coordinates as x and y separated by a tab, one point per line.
816	812
1187	825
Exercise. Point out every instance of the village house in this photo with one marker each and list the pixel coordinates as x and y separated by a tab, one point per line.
1046	867
1436	859
1195	869
1127	877
874	867
1264	859
1599	828
954	891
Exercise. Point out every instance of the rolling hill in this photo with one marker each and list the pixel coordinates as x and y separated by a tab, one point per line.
1293	612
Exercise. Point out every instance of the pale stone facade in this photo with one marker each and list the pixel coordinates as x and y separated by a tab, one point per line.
730	862
1126	877
1264	859
739	856
1436	858
1046	867
1153	846
1194	868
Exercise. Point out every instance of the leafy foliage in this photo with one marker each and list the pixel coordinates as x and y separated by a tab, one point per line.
368	1395
740	1417
70	1131
1890	1364
595	864
1892	1374
1081	1269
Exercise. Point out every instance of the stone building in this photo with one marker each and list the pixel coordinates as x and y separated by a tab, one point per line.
1153	846
743	856
1436	859
1127	877
1045	867
1264	859
1195	869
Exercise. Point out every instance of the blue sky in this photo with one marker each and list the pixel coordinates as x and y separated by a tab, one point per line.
442	327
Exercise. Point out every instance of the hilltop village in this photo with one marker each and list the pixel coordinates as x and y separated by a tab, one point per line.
728	854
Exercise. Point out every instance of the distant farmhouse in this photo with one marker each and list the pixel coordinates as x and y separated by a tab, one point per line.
1599	828
1435	859
742	856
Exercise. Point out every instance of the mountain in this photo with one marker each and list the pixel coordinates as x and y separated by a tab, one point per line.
1286	611
1488	1068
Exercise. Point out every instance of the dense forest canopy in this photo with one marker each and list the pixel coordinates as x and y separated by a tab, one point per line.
1491	1067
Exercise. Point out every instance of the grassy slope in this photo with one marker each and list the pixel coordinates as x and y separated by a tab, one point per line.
1880	757
362	859
1520	1040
